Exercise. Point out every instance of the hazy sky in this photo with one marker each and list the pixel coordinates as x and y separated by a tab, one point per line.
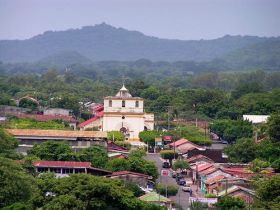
180	19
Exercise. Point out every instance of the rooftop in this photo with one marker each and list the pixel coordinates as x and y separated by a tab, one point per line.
57	133
62	164
214	179
235	188
96	117
196	157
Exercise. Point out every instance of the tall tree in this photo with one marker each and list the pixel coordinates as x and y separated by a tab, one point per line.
274	127
52	150
16	184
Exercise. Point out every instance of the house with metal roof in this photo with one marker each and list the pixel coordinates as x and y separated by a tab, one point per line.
76	139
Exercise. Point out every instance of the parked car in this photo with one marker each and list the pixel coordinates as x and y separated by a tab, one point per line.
174	174
187	188
181	182
165	165
224	142
179	176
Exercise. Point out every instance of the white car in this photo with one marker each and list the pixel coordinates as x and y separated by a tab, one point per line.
187	188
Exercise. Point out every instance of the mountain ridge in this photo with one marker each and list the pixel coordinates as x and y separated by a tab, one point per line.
105	42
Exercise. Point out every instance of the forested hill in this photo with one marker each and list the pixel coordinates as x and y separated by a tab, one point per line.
105	42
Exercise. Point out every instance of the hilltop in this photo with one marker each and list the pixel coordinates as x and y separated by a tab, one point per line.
105	42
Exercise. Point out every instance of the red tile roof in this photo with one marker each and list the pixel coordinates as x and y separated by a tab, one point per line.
61	164
57	133
202	166
96	117
111	146
214	179
198	157
208	170
179	142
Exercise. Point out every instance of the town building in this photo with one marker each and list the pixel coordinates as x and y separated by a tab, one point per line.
65	168
255	119
247	195
76	139
183	146
57	111
124	113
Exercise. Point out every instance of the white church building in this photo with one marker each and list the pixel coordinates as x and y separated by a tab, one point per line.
124	113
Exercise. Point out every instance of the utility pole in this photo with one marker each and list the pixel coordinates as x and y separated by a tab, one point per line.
168	119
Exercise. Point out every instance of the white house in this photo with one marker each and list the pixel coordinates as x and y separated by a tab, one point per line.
57	111
256	118
125	113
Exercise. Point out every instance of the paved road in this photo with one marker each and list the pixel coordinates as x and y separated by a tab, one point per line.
181	198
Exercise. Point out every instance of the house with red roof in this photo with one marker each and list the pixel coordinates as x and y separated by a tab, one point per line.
94	122
246	194
183	146
244	172
199	159
64	168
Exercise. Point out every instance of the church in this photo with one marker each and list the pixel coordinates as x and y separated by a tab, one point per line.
124	113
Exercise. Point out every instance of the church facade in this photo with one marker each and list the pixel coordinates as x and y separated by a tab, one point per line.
125	113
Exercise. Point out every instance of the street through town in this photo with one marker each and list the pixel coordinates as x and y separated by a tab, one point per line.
182	198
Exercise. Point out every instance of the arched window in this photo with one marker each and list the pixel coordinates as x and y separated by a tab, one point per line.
110	103
123	103
136	103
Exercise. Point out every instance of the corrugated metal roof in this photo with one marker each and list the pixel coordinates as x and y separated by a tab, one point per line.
62	164
57	133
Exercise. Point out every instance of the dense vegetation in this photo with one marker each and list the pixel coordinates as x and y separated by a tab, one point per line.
209	95
247	150
97	155
19	190
27	123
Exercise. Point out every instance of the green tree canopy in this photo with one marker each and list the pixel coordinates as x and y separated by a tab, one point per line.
115	136
8	145
96	154
181	164
52	150
244	150
83	191
258	165
268	193
230	203
274	127
149	136
231	130
16	184
118	164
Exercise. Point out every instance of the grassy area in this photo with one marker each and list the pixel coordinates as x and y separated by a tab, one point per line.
195	135
27	123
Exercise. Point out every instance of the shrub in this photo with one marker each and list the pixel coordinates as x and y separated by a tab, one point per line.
115	136
124	144
210	195
171	189
181	164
